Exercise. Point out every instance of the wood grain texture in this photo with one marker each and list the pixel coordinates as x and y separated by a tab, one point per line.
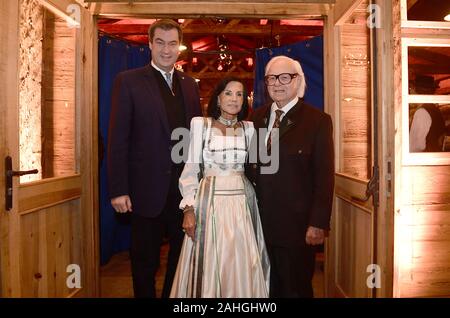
355	102
58	104
49	243
204	8
353	249
49	192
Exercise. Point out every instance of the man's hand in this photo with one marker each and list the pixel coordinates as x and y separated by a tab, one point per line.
122	204
315	236
189	223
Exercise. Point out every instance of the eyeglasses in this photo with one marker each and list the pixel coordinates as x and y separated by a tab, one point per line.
283	78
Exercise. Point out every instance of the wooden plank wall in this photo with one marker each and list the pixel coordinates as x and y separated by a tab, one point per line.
50	241
423	232
422	204
30	95
58	105
87	97
355	95
353	249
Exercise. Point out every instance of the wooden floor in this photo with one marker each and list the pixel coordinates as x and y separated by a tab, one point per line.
115	277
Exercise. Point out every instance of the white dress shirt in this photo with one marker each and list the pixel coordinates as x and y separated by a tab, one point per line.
164	72
285	110
420	127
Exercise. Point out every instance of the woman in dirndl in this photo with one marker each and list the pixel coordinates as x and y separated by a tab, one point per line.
223	253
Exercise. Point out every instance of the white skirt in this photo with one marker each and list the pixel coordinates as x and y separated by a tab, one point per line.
228	258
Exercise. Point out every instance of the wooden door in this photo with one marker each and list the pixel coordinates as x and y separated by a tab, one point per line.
356	254
48	240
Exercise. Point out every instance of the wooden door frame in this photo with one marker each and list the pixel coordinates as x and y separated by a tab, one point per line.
334	16
9	99
386	128
88	96
86	121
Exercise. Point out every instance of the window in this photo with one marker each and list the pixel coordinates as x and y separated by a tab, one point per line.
426	100
47	110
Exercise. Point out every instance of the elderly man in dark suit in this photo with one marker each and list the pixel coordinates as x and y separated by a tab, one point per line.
296	201
147	105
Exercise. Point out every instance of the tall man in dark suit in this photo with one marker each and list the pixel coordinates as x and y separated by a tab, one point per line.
148	103
296	201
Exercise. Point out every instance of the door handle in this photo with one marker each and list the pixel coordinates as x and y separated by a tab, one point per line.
9	174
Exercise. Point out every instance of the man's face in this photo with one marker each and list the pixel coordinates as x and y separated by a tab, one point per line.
165	48
283	93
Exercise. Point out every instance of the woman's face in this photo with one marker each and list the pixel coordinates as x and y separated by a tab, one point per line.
231	99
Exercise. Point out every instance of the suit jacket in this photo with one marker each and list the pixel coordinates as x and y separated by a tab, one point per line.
300	194
139	145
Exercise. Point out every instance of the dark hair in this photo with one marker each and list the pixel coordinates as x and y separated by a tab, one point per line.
166	25
213	109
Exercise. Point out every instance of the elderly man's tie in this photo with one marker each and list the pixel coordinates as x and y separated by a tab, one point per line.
276	124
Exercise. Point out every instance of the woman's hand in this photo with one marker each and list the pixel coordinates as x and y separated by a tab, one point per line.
189	223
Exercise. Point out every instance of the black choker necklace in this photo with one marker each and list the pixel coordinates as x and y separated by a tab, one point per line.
228	122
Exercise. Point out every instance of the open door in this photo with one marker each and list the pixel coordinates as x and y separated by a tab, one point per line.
48	244
355	259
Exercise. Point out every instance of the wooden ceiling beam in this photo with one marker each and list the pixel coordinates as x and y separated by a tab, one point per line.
172	9
214	1
239	29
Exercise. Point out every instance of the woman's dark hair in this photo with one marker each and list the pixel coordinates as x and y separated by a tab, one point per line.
213	109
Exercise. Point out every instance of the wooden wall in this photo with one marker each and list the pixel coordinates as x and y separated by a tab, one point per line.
58	104
422	201
355	95
51	240
423	233
353	250
54	221
30	95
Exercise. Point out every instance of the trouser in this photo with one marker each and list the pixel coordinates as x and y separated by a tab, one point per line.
291	271
146	237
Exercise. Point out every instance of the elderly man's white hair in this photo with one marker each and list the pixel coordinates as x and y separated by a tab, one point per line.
298	69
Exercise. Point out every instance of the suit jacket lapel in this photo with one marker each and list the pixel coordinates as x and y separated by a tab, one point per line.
186	91
290	119
157	101
266	117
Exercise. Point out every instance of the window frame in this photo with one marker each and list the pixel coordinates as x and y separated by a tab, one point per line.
414	158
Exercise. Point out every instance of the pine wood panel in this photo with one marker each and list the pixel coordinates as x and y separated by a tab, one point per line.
202	8
219	1
9	138
426	185
87	123
40	194
353	249
58	105
50	241
436	214
30	96
423	232
355	97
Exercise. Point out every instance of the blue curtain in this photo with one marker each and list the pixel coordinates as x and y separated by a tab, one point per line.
310	55
114	56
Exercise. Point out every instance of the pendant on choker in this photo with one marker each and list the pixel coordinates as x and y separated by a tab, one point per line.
228	122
